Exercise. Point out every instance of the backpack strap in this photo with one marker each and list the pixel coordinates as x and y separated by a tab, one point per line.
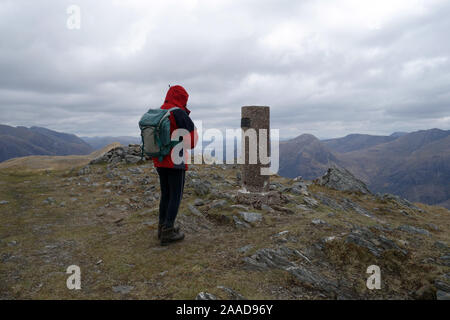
167	114
172	143
142	147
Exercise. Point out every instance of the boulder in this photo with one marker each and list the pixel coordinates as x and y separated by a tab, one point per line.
442	295
201	187
279	258
239	223
310	202
265	259
445	260
122	289
283	209
136	171
267	208
442	285
205	296
217	204
350	205
441	245
296	190
318	222
194	210
132	159
250	217
329	202
414	230
343	180
231	293
198	202
397	200
376	245
130	154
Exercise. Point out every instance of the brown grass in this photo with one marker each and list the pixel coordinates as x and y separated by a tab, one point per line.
54	162
39	241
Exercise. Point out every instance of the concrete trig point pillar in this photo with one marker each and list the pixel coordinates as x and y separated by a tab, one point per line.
255	117
256	186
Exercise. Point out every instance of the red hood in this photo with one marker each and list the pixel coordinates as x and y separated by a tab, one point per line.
177	96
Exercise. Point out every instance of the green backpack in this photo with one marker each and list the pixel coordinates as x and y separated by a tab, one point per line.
155	133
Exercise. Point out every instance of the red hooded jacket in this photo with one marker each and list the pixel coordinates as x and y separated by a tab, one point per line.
179	119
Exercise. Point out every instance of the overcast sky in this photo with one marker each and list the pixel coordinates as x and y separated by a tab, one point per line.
328	68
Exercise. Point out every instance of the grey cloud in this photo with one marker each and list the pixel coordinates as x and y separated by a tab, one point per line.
319	76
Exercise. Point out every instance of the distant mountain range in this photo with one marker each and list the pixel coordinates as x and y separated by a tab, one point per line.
22	141
413	165
100	142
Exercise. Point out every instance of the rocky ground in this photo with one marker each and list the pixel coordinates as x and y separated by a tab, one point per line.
316	245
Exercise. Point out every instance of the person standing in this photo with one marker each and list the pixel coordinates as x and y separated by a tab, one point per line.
172	173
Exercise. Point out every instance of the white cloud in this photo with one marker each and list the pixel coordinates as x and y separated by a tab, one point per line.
418	66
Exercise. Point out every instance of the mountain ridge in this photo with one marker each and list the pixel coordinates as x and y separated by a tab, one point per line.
310	159
415	165
22	141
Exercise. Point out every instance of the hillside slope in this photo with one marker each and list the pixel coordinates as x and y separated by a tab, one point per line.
415	166
305	156
53	162
354	142
22	141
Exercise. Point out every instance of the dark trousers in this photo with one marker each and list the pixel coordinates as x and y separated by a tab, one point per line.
172	185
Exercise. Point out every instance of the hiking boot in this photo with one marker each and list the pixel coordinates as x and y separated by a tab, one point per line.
161	226
169	235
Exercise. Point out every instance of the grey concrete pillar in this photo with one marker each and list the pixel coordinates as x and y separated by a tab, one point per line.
254	117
